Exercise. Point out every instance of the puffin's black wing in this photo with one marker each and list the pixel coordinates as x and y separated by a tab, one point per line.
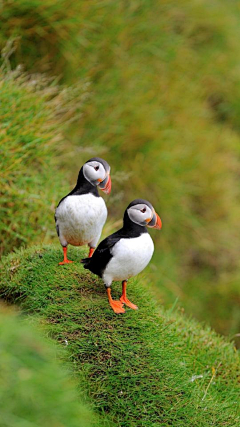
102	254
57	226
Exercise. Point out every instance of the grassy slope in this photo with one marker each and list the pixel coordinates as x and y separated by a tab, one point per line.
34	115
165	106
35	390
138	368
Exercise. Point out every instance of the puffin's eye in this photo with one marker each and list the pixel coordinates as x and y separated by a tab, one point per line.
96	168
143	210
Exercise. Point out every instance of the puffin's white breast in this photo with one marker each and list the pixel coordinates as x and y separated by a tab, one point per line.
80	219
130	257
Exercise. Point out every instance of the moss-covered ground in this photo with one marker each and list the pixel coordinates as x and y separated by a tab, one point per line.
143	368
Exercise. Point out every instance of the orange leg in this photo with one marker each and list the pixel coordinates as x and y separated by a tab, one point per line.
124	298
117	306
91	250
65	260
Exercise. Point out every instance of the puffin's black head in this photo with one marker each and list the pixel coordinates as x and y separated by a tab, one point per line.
97	172
141	212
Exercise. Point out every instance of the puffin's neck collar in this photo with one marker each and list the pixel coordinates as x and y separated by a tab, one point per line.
83	186
128	224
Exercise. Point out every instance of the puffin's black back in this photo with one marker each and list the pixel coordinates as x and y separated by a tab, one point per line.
103	254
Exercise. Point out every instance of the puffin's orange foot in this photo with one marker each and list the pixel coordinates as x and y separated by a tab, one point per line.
117	306
91	250
67	261
128	303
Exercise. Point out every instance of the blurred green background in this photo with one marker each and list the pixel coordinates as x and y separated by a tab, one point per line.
153	87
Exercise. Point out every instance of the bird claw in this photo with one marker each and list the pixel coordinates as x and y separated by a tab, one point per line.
117	306
65	262
128	303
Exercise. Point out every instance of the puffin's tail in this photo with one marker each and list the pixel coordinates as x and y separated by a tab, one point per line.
86	262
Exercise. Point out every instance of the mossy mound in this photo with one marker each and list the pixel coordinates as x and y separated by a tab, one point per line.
143	368
35	389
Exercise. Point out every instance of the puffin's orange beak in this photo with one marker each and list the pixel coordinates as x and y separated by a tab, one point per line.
106	185
158	224
155	222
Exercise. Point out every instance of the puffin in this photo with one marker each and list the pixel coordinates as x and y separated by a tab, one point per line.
127	252
81	214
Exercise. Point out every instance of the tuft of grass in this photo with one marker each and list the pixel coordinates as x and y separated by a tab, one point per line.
144	368
35	389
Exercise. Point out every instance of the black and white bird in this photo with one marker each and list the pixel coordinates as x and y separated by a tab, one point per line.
81	215
127	252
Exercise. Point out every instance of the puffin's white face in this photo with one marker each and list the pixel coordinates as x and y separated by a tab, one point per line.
140	214
143	215
94	172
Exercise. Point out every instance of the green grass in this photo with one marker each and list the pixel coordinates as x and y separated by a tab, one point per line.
138	369
34	116
165	107
35	389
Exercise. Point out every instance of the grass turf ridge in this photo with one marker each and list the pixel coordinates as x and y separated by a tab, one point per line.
143	368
